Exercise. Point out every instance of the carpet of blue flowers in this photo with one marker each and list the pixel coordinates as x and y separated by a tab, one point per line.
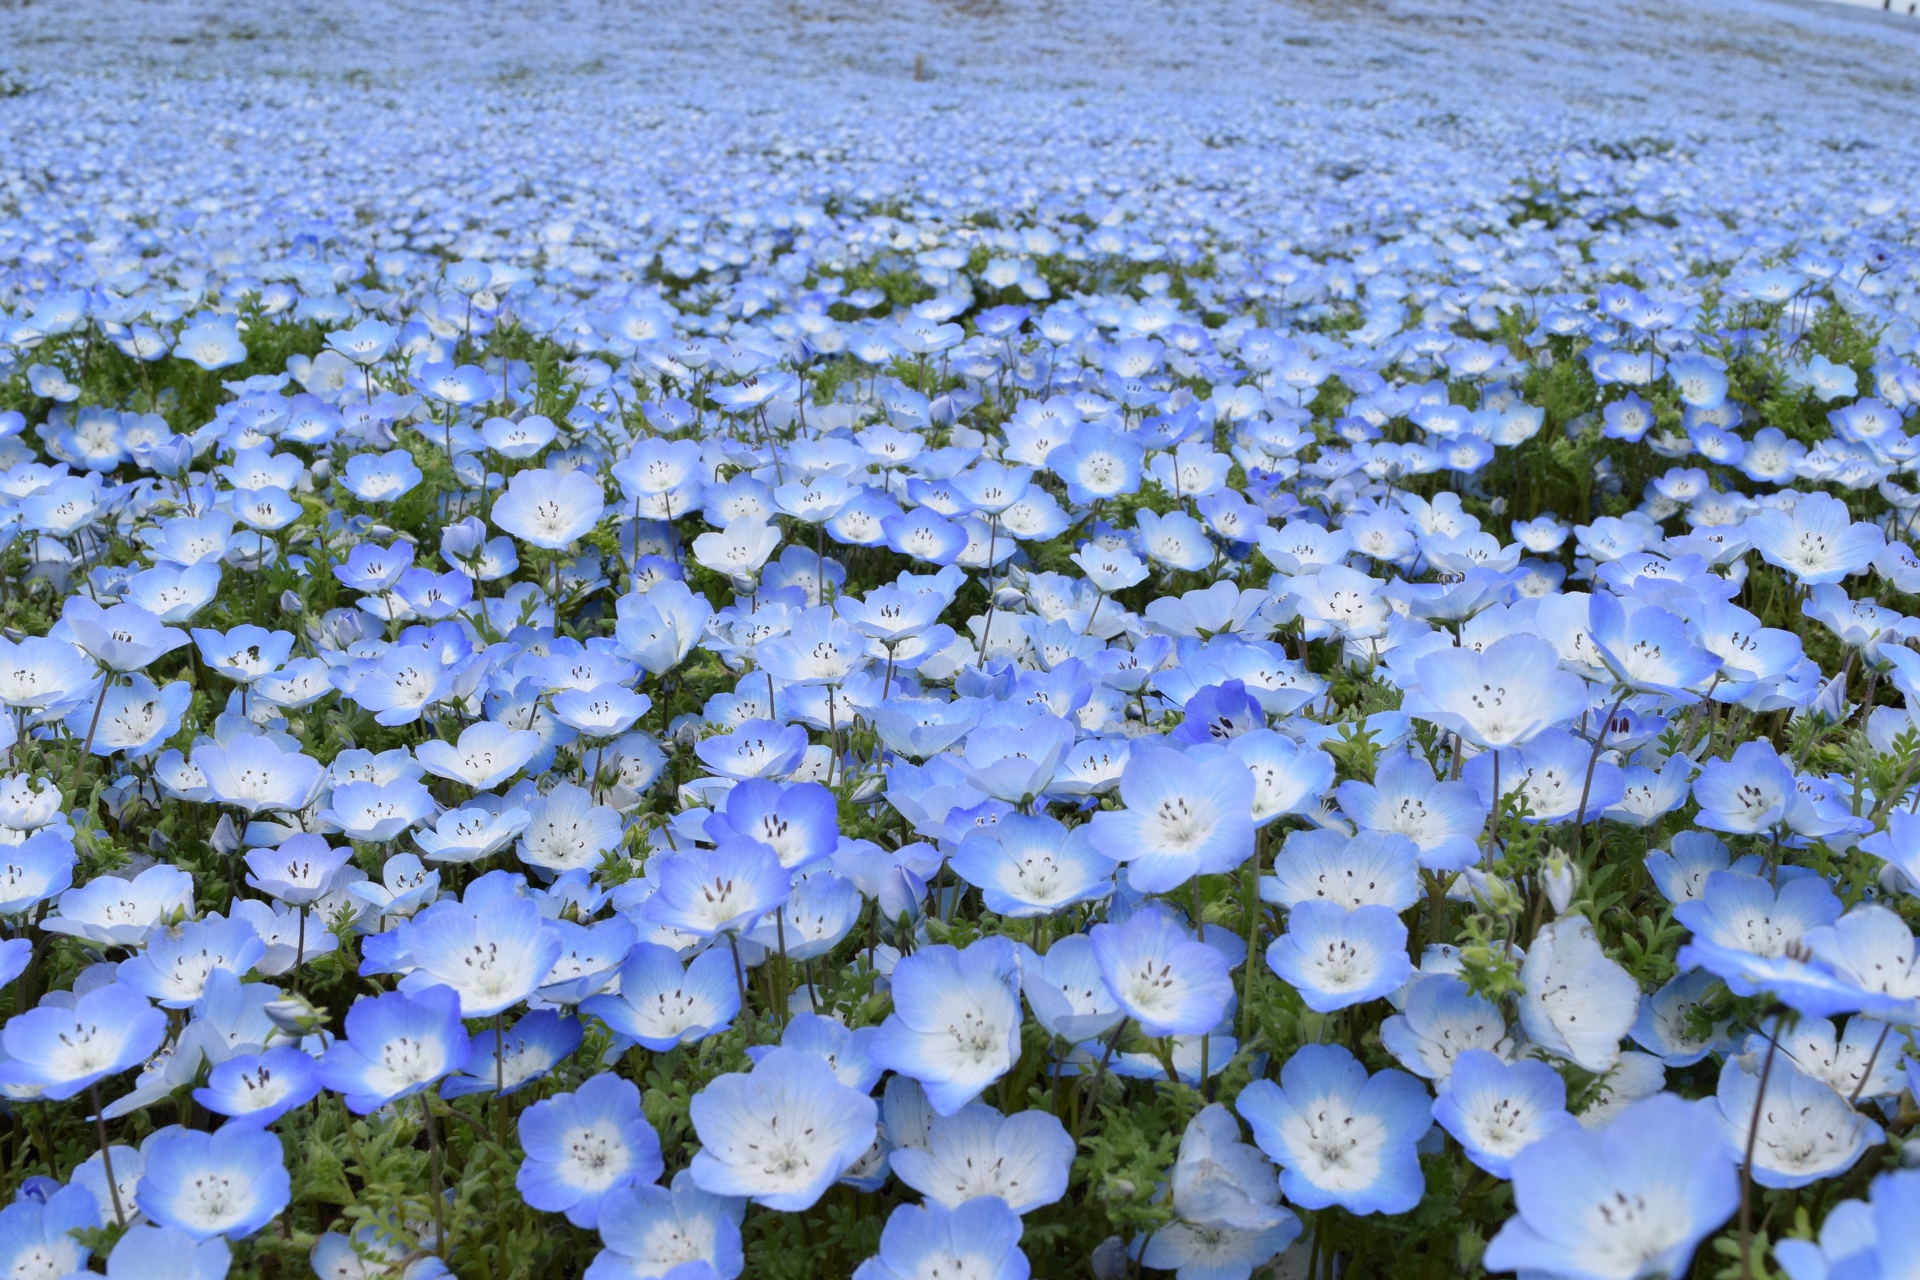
616	665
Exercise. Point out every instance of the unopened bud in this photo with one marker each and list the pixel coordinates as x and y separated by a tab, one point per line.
225	840
1109	1260
1561	878
295	1015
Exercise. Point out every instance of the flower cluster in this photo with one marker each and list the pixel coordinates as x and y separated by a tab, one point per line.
834	723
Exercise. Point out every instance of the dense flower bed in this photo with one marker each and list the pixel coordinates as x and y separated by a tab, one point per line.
1275	688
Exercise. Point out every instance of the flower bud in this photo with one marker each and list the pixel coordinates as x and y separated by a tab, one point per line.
1560	878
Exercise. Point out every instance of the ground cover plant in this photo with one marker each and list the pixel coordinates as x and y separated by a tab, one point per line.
1280	689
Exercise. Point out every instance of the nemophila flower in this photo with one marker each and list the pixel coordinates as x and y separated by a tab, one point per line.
798	821
396	1045
1160	977
1375	868
1069	997
149	1252
492	957
211	343
1860	1237
847	1050
64	1051
134	718
114	912
1022	1158
979	1239
174	966
528	1051
123	638
1578	1002
1016	764
245	653
35	870
380	477
1632	1200
1648	649
550	509
1226	1194
583	1145
780	1134
1335	957
1496	1109
37	673
1502	697
756	749
469	834
1800	1132
300	871
1032	866
1665	1027
706	892
822	909
1443	819
260	1088
656	1232
377	813
1746	912
955	1025
38	1236
227	1183
258	774
1748	793
1818	541
1182	818
662	1002
1551	773
1872	948
1340	1136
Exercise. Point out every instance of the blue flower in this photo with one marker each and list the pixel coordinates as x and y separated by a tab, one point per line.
1871	1238
1632	1200
1502	697
662	1004
1647	649
492	958
381	477
259	1088
396	1045
780	1134
653	1231
1162	978
1336	958
532	1048
1022	1158
849	1051
1341	1137
1440	1020
1496	1109
148	1252
1578	1001
1377	868
1033	866
1800	1132
955	1025
1443	819
583	1145
708	892
798	821
37	1234
1183	818
227	1183
67	1050
979	1240
1747	913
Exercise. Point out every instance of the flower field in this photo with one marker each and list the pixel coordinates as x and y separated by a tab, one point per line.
959	641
